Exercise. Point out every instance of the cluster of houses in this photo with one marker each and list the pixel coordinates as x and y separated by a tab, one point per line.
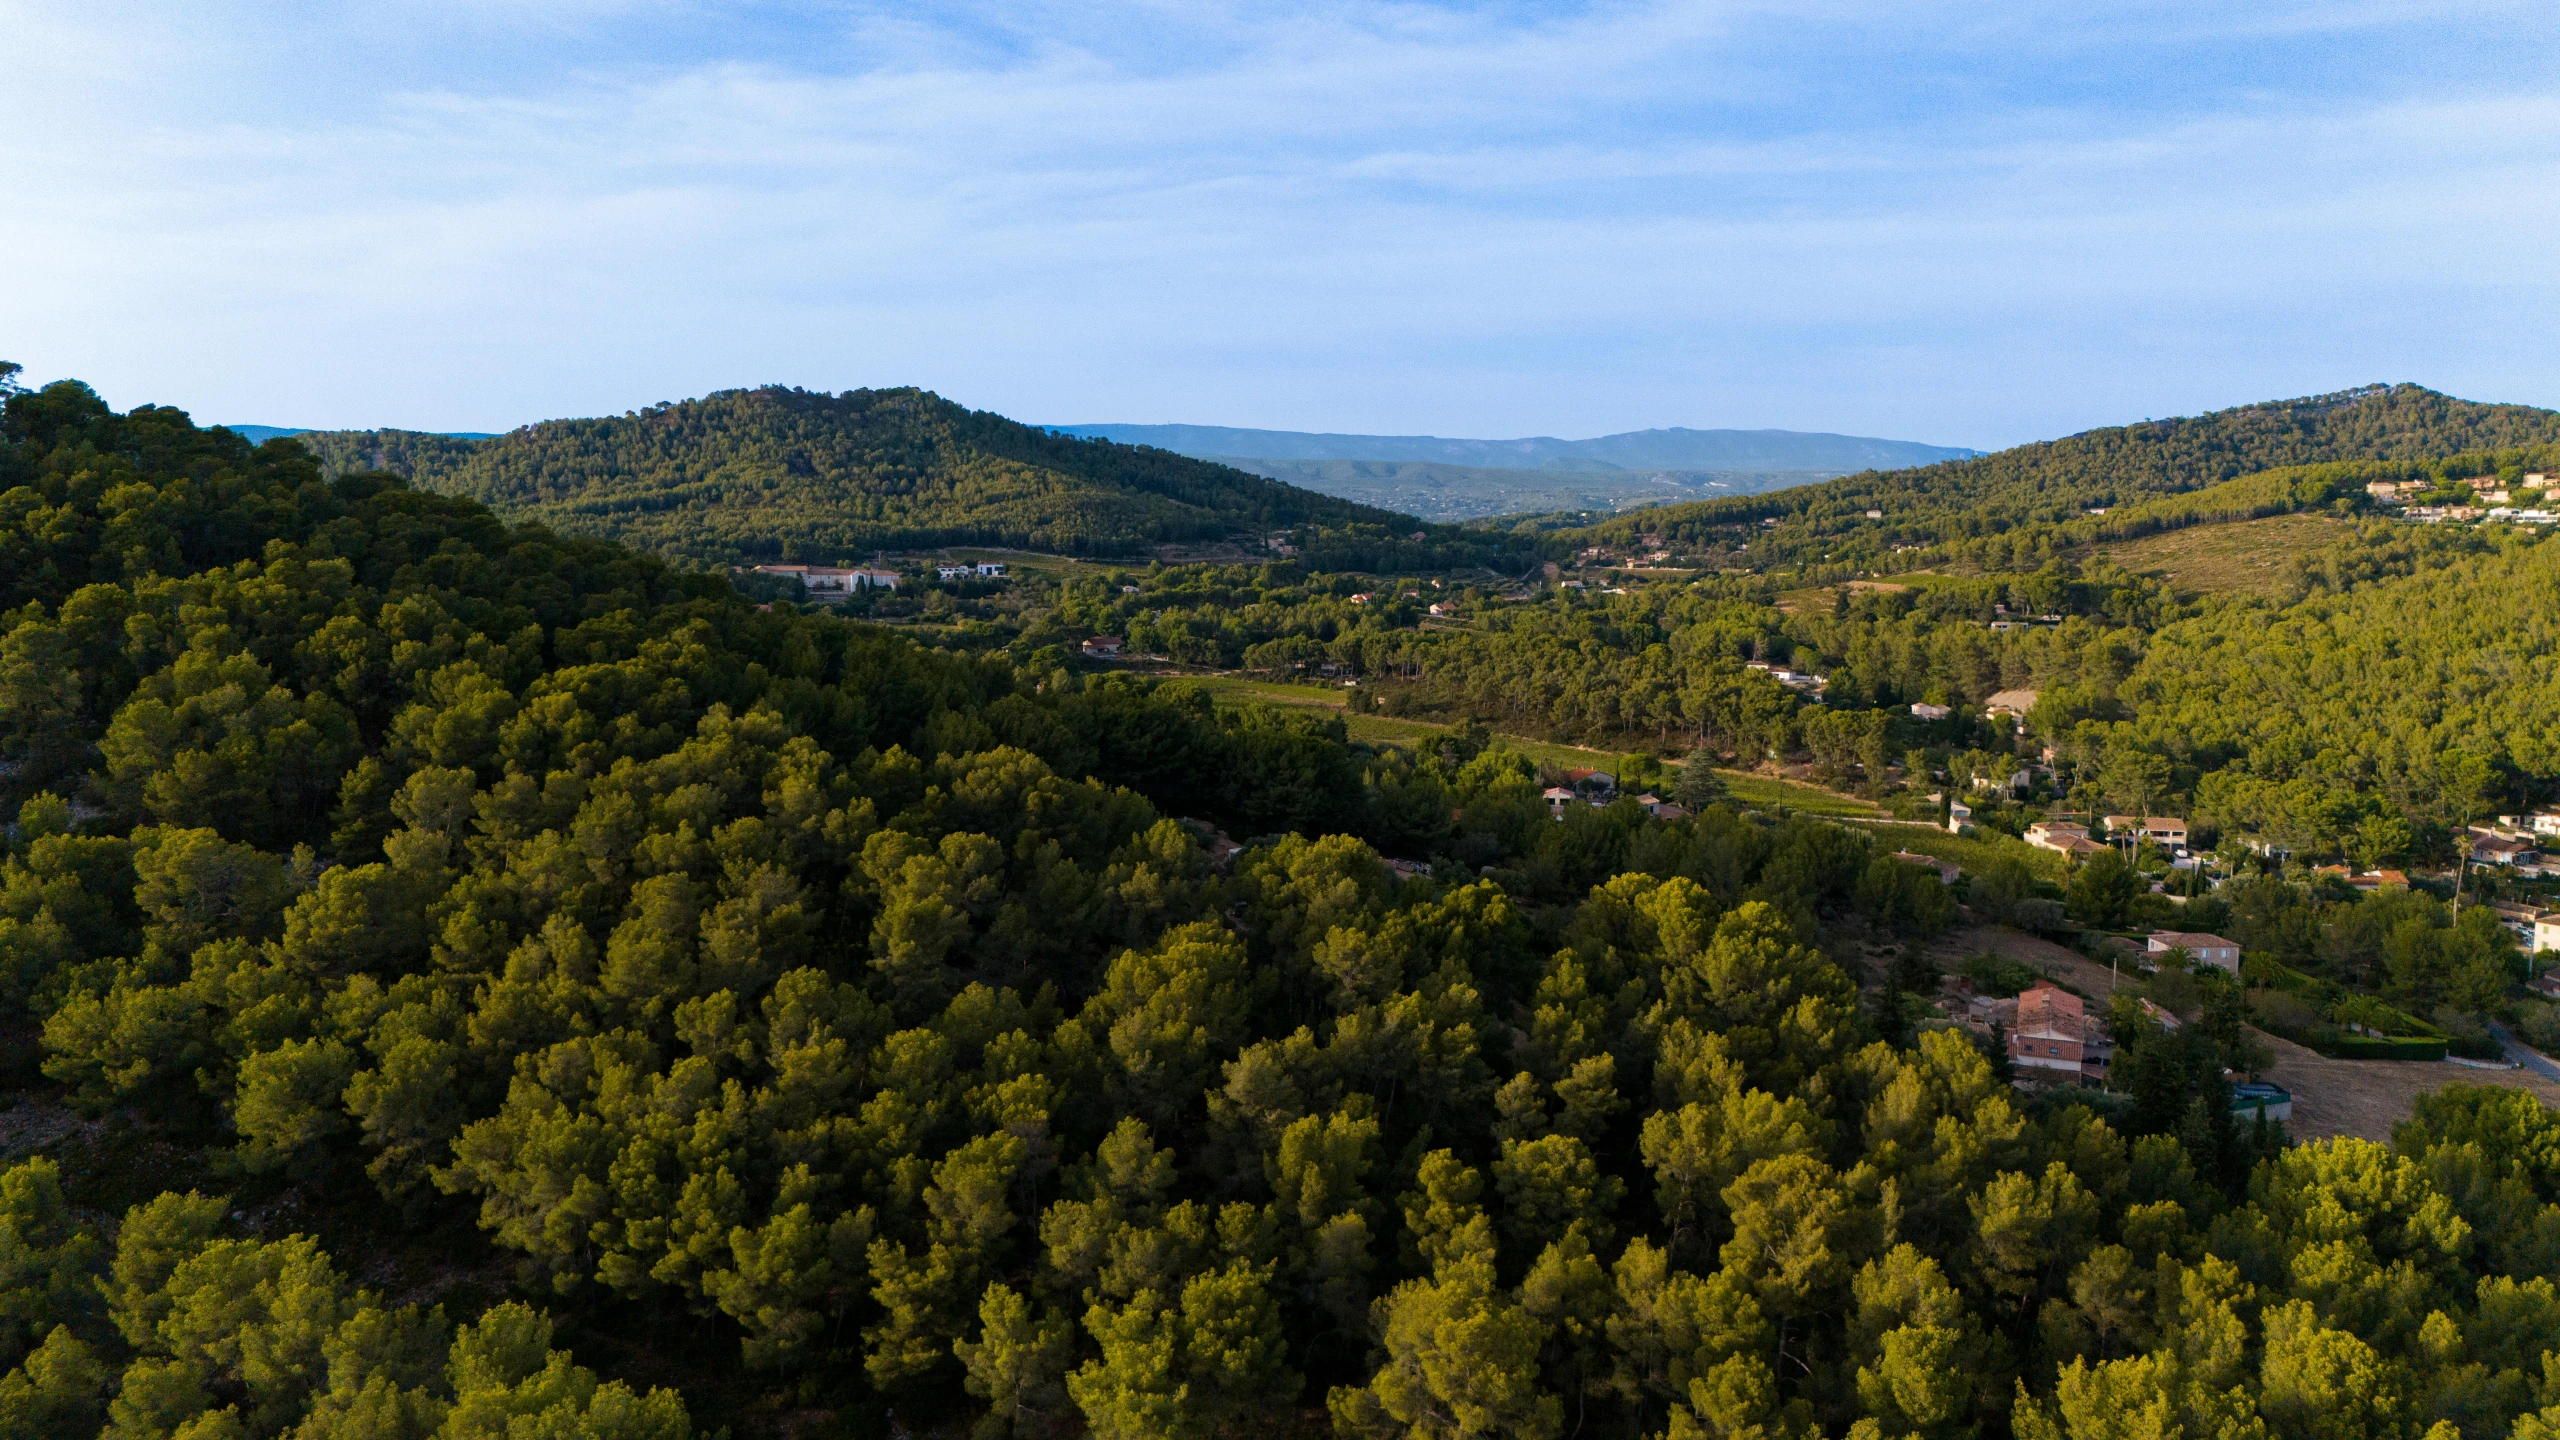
2070	837
2052	1039
838	581
2498	501
1599	787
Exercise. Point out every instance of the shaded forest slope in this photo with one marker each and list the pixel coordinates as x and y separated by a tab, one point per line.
778	473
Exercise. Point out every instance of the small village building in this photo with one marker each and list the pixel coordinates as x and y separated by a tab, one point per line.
2546	931
2488	847
1927	711
2201	948
2010	702
1599	785
2518	918
1557	797
2049	1041
832	582
2056	835
1947	870
1103	647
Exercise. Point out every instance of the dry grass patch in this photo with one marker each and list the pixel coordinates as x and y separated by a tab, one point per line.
2249	557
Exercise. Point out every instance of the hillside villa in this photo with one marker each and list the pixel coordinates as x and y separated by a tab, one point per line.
2518	918
1103	647
2159	830
2496	847
2546	931
2063	837
2201	948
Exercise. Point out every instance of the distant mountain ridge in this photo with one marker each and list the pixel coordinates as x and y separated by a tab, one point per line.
1435	490
1667	449
261	434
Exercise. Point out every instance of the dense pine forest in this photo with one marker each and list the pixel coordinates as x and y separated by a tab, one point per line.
466	980
786	474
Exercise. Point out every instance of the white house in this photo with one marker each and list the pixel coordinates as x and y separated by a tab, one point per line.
1927	711
2546	931
831	581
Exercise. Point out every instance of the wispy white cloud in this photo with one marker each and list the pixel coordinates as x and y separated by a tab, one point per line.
1384	217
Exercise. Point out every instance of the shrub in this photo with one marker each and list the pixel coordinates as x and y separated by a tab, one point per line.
1998	974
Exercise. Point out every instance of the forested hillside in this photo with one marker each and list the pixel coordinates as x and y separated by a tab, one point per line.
2057	480
500	945
775	473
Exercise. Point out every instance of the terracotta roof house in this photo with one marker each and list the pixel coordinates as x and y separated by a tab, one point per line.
2053	1039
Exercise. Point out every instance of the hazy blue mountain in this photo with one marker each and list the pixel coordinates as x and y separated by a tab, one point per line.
1437	491
261	434
1755	451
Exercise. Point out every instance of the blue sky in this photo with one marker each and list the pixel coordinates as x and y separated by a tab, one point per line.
1967	223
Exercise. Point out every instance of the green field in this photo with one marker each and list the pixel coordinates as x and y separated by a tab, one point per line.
1388	729
1974	852
1768	792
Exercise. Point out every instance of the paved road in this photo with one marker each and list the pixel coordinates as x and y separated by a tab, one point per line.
2525	1055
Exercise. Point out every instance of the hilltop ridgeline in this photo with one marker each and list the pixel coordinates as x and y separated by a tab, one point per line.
2056	480
776	473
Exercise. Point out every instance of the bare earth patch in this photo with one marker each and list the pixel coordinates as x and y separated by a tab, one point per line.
2366	1098
34	1124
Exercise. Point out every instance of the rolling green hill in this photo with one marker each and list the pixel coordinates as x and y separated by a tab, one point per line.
2056	480
778	473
